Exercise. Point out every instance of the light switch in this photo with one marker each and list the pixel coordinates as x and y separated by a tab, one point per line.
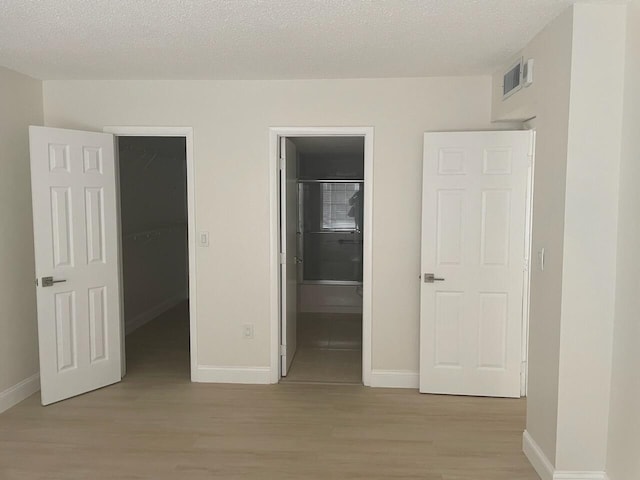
247	330
541	259
203	239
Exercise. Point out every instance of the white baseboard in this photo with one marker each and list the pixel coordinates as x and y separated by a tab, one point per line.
394	379
541	464
562	475
247	375
14	395
145	317
546	470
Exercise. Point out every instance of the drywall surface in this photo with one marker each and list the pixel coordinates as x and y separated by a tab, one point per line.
231	142
590	236
623	461
153	182
576	100
20	106
548	101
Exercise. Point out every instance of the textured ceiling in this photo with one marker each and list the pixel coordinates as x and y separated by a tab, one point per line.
265	39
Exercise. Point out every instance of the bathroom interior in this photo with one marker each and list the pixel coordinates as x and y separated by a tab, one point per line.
330	188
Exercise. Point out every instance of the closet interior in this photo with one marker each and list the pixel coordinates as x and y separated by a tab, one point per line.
153	209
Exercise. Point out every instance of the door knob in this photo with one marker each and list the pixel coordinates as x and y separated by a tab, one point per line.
431	278
49	281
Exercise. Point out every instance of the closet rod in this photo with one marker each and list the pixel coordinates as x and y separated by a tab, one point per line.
154	232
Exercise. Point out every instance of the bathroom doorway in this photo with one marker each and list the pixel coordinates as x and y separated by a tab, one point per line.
322	247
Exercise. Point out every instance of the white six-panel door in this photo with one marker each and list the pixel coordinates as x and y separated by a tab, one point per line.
76	243
473	242
288	247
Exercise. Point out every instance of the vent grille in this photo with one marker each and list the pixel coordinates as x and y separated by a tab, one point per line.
512	80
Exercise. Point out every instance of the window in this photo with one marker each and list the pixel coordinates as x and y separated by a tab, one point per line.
340	206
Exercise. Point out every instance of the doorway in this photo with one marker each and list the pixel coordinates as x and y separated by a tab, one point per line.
157	216
322	239
152	175
78	246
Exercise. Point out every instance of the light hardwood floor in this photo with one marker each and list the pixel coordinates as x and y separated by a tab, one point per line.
155	424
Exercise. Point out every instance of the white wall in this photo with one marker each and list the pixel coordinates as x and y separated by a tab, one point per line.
577	101
547	100
230	121
590	236
623	461
154	226
20	106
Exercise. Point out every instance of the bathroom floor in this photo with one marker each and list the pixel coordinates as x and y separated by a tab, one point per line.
329	349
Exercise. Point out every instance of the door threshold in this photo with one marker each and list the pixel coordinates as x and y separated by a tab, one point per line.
284	381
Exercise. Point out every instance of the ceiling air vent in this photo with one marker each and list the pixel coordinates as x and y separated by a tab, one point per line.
512	79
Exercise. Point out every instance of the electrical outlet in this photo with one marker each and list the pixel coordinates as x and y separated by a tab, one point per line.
247	330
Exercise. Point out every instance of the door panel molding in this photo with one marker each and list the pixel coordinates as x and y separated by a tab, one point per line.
476	188
76	242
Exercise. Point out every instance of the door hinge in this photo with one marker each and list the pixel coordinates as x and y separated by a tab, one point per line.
283	258
281	163
283	350
36	282
526	265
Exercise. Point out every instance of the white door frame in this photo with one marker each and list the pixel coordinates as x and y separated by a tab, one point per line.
187	133
275	133
526	294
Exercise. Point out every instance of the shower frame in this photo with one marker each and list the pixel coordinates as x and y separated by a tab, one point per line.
302	232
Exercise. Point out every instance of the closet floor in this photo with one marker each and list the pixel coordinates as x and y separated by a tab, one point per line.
329	349
160	348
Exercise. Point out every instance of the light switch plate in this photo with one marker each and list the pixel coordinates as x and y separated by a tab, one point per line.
541	259
203	239
247	330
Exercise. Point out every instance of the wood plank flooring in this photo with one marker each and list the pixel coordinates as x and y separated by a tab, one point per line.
157	425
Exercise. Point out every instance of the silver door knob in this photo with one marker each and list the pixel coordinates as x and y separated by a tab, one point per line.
431	278
49	281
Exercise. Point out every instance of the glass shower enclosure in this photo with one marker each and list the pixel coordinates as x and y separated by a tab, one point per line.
330	230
